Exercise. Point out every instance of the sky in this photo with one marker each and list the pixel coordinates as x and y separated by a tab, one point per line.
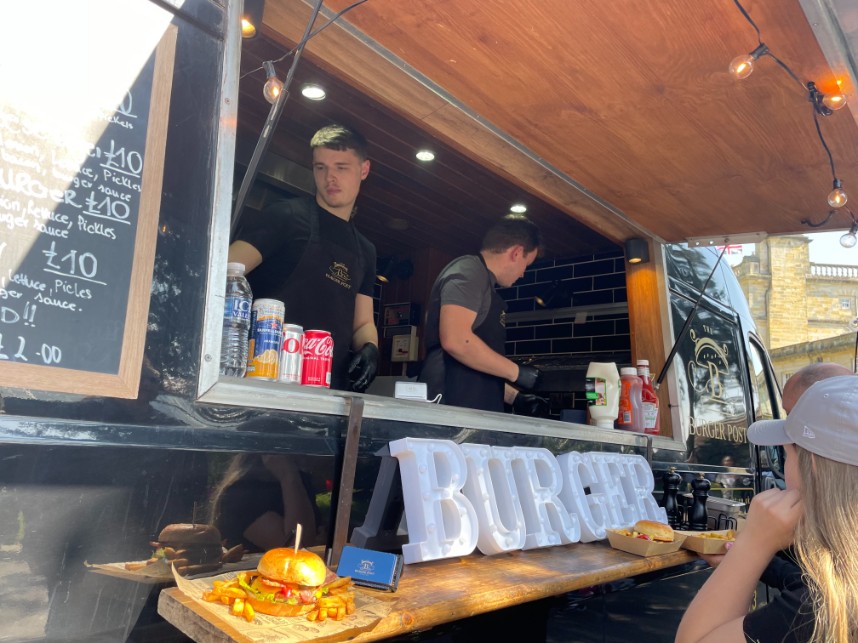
824	248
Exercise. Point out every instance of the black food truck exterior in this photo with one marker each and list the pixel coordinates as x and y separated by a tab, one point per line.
126	427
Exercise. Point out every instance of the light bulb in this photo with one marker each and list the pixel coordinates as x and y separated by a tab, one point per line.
272	89
837	197
849	239
248	29
742	66
273	85
425	156
834	101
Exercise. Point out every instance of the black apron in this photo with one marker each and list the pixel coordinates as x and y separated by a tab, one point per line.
464	386
321	291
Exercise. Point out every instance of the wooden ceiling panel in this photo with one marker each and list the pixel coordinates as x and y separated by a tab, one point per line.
446	204
628	99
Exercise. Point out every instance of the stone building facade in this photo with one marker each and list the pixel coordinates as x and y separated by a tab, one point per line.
805	312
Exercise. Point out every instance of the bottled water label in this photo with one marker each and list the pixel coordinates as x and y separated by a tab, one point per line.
238	307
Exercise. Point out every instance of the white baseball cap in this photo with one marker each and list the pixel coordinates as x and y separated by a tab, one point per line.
824	421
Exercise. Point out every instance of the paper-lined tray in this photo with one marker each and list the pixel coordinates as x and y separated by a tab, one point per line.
370	610
642	547
708	542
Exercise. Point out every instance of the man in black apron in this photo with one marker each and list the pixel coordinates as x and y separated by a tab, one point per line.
465	325
308	254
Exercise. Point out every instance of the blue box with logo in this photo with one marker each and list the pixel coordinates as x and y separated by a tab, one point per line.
368	568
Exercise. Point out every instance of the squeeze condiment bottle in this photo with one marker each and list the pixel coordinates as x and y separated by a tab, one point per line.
630	416
649	400
602	390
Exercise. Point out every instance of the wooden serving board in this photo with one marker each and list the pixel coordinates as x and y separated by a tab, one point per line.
442	591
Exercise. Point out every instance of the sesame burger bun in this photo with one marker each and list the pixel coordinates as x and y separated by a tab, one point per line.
284	564
655	530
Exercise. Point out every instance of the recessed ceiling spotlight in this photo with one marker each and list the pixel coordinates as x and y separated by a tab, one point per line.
425	155
313	92
518	208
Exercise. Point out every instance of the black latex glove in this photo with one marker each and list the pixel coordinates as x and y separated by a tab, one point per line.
363	367
528	377
532	405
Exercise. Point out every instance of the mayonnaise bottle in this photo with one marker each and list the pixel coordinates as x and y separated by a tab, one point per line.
602	388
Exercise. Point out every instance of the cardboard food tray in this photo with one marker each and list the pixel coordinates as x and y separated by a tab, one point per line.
695	542
642	547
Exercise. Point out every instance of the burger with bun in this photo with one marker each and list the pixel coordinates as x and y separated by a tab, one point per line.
289	582
655	531
193	548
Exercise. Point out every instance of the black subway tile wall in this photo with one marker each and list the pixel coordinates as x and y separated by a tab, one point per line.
593	279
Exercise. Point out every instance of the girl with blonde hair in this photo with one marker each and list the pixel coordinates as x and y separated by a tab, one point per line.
817	513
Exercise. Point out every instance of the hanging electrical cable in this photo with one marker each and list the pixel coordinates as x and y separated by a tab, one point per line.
823	104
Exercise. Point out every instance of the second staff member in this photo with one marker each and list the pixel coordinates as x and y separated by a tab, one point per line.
466	329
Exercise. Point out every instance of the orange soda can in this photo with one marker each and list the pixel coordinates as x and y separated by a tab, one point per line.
266	333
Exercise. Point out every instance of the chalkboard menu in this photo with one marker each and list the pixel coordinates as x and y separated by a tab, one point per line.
80	184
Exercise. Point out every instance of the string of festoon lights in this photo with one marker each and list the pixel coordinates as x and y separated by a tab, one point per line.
274	86
822	105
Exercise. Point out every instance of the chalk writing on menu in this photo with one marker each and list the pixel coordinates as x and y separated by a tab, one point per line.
69	201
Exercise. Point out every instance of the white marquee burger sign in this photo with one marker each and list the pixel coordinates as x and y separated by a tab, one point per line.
459	497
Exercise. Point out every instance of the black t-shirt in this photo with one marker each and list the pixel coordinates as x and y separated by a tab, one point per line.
786	619
280	233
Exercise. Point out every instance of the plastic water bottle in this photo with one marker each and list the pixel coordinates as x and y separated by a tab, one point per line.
236	322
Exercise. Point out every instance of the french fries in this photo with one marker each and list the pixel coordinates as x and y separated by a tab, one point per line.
718	535
336	603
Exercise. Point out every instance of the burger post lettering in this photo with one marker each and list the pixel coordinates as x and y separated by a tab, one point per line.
459	497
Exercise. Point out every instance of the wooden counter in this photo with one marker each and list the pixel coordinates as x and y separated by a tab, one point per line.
439	592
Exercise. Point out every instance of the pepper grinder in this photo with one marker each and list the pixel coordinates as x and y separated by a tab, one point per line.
698	520
671	481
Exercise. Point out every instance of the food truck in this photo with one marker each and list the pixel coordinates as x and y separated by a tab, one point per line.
136	137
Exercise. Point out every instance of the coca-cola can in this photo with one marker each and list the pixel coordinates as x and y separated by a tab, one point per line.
291	354
318	357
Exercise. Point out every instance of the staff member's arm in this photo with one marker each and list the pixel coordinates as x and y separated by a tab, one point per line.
458	339
364	363
243	252
364	326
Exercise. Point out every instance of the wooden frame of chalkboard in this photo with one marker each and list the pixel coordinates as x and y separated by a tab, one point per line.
77	238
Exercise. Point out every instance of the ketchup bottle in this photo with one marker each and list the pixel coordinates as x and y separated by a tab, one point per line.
649	400
630	416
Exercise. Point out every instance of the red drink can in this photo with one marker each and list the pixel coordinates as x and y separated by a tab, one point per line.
318	357
291	354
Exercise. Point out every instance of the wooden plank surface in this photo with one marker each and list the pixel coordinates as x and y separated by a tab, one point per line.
442	591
